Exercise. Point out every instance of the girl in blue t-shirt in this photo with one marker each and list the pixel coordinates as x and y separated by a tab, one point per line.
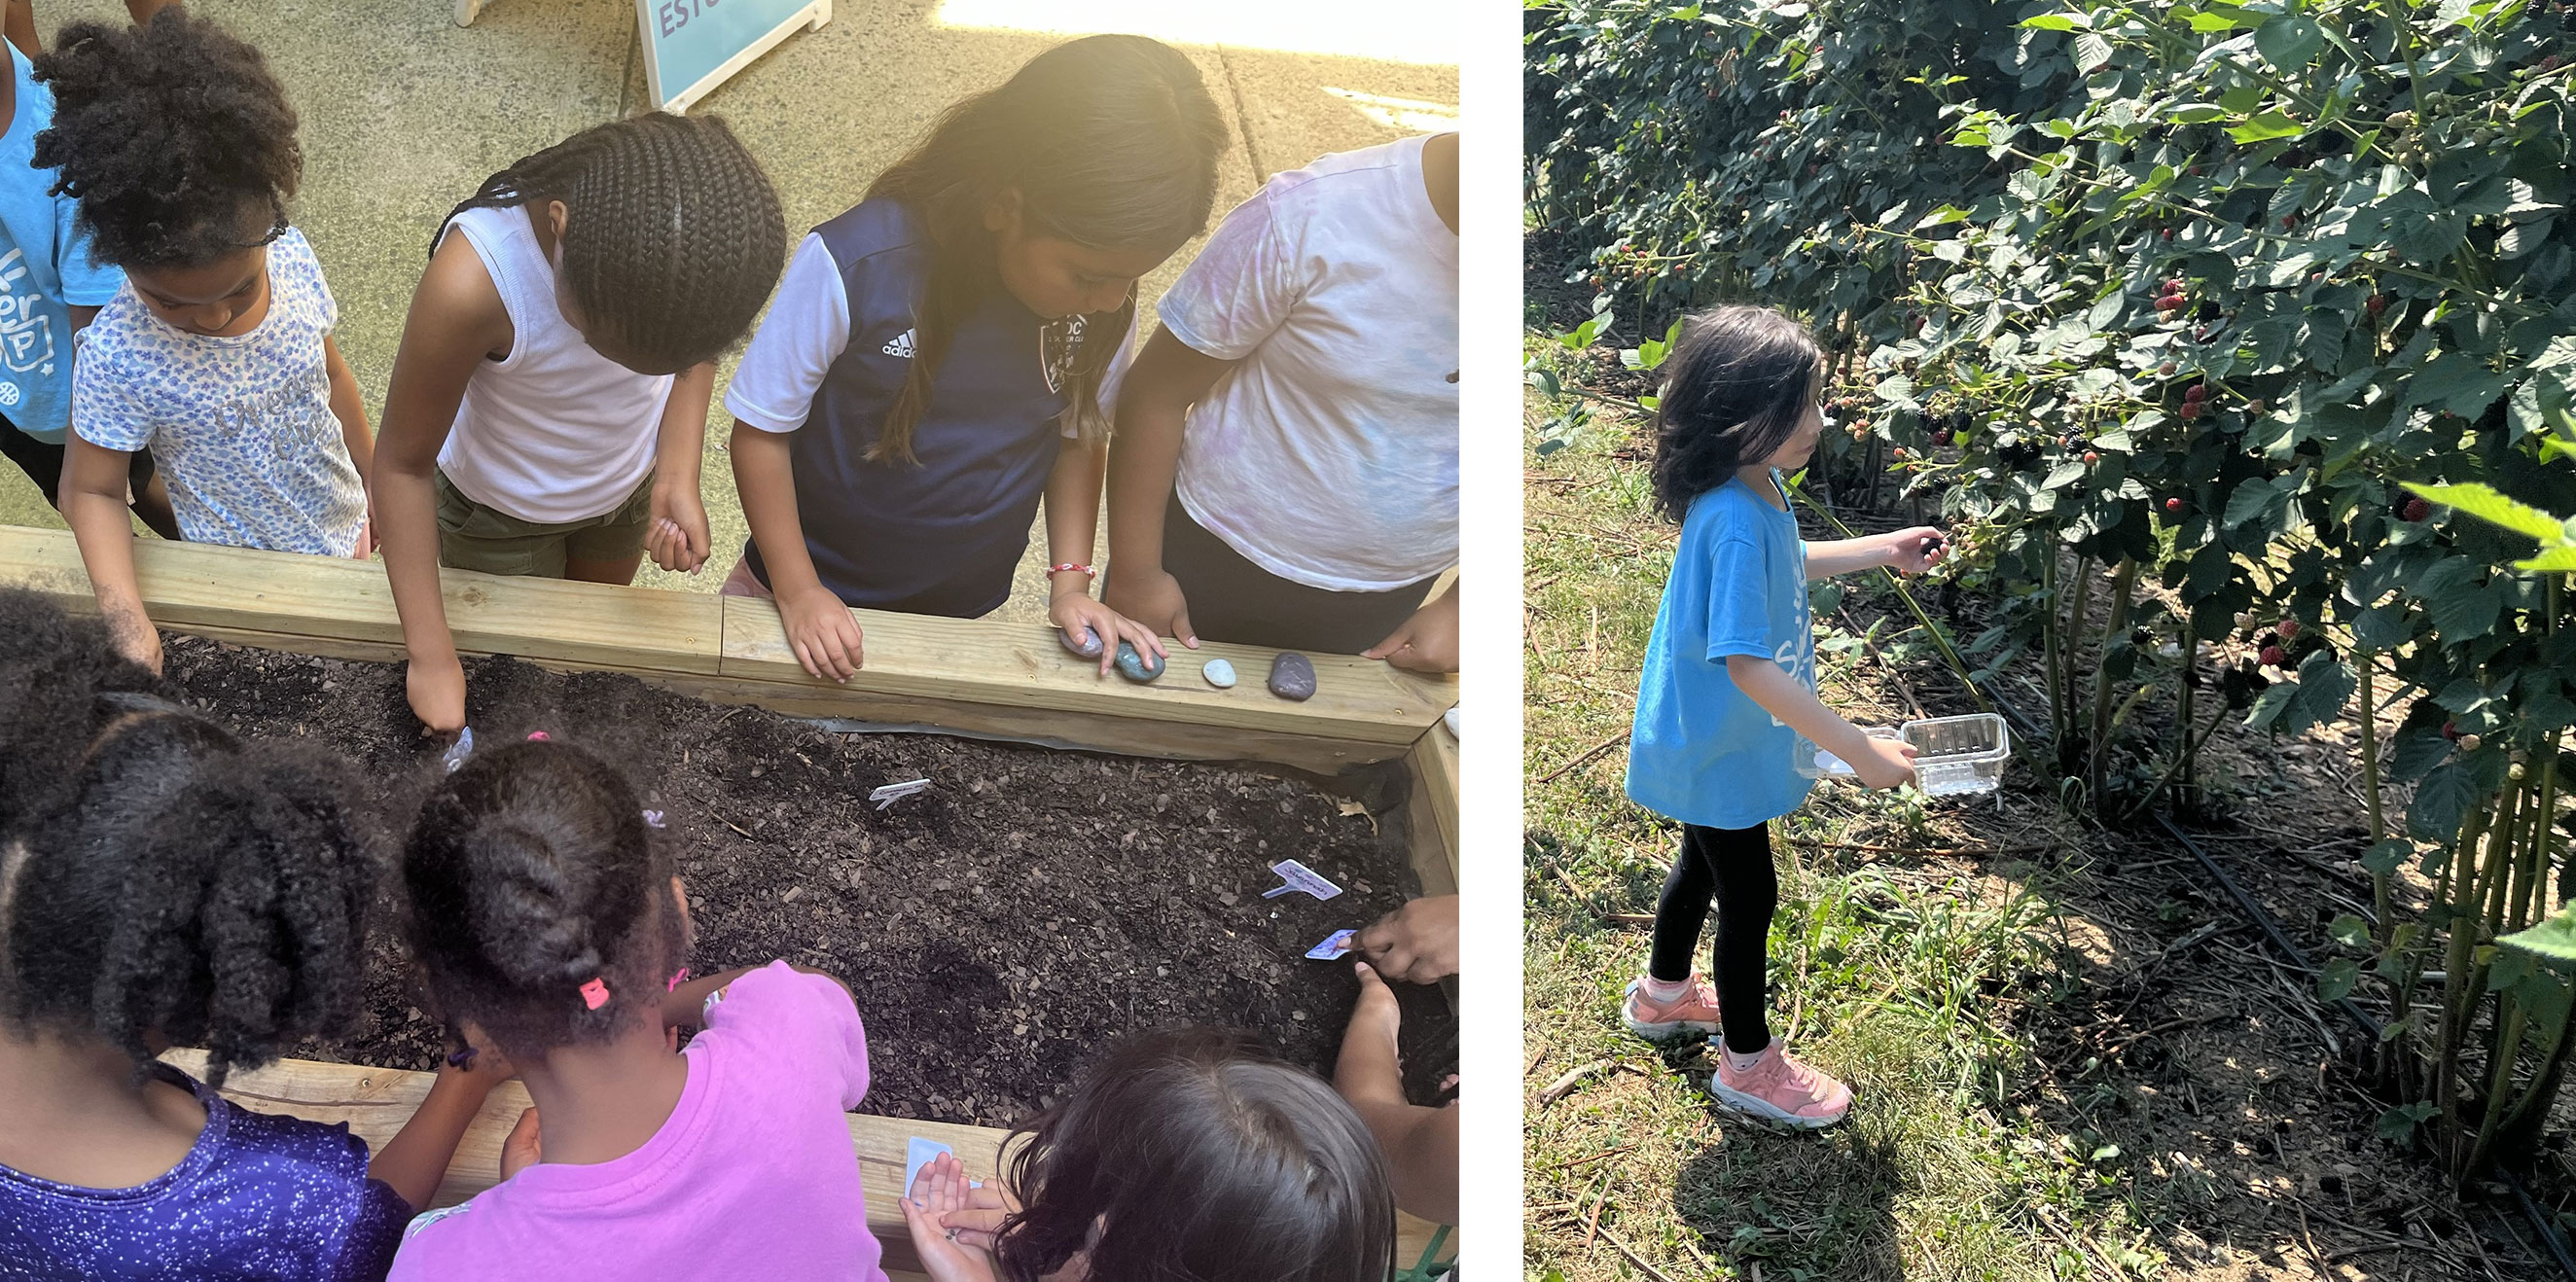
164	883
1730	684
934	363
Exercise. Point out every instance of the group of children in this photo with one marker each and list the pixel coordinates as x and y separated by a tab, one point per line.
165	882
940	363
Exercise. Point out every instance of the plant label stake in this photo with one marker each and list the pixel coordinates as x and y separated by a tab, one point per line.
458	751
1334	945
894	792
918	1153
1296	876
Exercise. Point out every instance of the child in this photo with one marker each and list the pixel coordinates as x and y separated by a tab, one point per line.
1730	683
162	883
935	361
217	356
1312	351
1188	1156
549	925
549	402
49	289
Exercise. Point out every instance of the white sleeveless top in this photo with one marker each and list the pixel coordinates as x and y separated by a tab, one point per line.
556	432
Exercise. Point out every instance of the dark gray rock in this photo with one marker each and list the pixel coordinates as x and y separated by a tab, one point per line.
1292	676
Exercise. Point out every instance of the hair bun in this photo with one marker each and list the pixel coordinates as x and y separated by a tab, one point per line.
527	913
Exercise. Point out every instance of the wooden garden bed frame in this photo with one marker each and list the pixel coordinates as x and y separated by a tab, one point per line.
967	676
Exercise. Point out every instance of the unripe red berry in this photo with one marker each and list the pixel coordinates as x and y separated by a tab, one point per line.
2173	285
2451	730
2195	393
2378	303
2289	628
2289	220
2167	369
2273	656
2254	406
2166	234
2173	505
1898	452
2090	457
2171	303
2417	509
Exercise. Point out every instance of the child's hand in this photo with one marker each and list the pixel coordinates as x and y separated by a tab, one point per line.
136	639
1153	599
986	1209
437	692
1884	763
523	1149
1912	551
1427	642
1077	613
677	539
820	630
941	1190
1415	944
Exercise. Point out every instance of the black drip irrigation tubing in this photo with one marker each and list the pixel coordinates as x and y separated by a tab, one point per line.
2271	927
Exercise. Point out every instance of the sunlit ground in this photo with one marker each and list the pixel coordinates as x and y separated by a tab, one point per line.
1418	33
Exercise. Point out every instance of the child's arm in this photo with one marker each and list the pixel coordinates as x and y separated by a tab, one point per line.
1908	551
1153	405
1427	641
456	320
1072	519
414	1161
827	641
686	1005
678	537
1880	763
93	501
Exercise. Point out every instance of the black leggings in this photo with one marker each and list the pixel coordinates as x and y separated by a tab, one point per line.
1733	865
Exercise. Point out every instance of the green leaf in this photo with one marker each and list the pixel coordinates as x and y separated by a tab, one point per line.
2554	938
2060	22
2268	125
2441	801
2484	503
2288	43
2325	685
2398	1124
2349	931
2553	561
2336	978
2386	857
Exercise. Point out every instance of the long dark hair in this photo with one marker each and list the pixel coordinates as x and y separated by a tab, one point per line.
672	238
1735	388
173	136
1111	143
161	878
1194	1156
530	872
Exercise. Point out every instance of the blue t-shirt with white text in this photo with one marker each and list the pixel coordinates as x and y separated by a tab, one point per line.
1702	751
45	270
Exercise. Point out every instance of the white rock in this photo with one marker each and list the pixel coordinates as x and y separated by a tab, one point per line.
1219	673
1450	719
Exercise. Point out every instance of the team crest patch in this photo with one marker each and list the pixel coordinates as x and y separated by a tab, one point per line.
900	345
1057	344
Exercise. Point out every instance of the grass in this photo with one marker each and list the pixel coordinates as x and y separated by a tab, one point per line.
1904	974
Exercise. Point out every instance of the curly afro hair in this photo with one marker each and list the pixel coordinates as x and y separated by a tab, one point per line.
159	878
173	136
531	871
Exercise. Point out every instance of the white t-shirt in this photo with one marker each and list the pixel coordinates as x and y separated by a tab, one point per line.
241	427
554	432
1329	455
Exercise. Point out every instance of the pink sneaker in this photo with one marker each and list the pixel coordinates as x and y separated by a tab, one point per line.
1695	1011
1780	1089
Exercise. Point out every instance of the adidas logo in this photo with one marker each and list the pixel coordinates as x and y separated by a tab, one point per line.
901	346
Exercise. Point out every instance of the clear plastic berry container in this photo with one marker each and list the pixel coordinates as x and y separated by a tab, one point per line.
1953	755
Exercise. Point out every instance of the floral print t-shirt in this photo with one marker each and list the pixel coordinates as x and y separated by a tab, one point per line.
241	427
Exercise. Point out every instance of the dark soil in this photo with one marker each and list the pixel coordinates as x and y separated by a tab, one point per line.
999	929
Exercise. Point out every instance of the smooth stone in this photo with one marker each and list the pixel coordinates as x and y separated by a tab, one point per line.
1450	719
1088	647
1292	676
1219	673
1136	667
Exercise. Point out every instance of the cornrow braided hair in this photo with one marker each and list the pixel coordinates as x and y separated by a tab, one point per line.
673	237
530	872
173	136
1111	142
175	883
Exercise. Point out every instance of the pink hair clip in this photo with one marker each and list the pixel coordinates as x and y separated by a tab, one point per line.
538	736
676	978
594	993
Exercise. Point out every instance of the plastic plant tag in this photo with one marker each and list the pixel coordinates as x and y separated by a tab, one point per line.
918	1153
1297	876
894	792
1334	945
458	751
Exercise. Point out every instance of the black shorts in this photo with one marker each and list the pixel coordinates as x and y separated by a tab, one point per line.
1232	599
43	463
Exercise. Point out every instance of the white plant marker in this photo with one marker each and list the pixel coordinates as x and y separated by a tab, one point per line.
894	792
458	751
1296	876
1334	945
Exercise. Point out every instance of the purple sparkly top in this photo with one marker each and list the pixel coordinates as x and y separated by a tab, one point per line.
258	1196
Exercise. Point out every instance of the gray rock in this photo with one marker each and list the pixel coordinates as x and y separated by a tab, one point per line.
1292	676
1088	647
1219	673
1137	667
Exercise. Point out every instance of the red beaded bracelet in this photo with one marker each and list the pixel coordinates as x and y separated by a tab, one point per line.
1087	571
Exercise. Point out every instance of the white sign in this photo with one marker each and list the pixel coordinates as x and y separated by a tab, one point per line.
691	46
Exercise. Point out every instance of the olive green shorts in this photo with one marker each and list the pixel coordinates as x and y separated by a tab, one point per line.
472	536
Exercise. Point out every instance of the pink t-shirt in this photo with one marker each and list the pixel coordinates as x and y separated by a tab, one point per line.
752	1177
